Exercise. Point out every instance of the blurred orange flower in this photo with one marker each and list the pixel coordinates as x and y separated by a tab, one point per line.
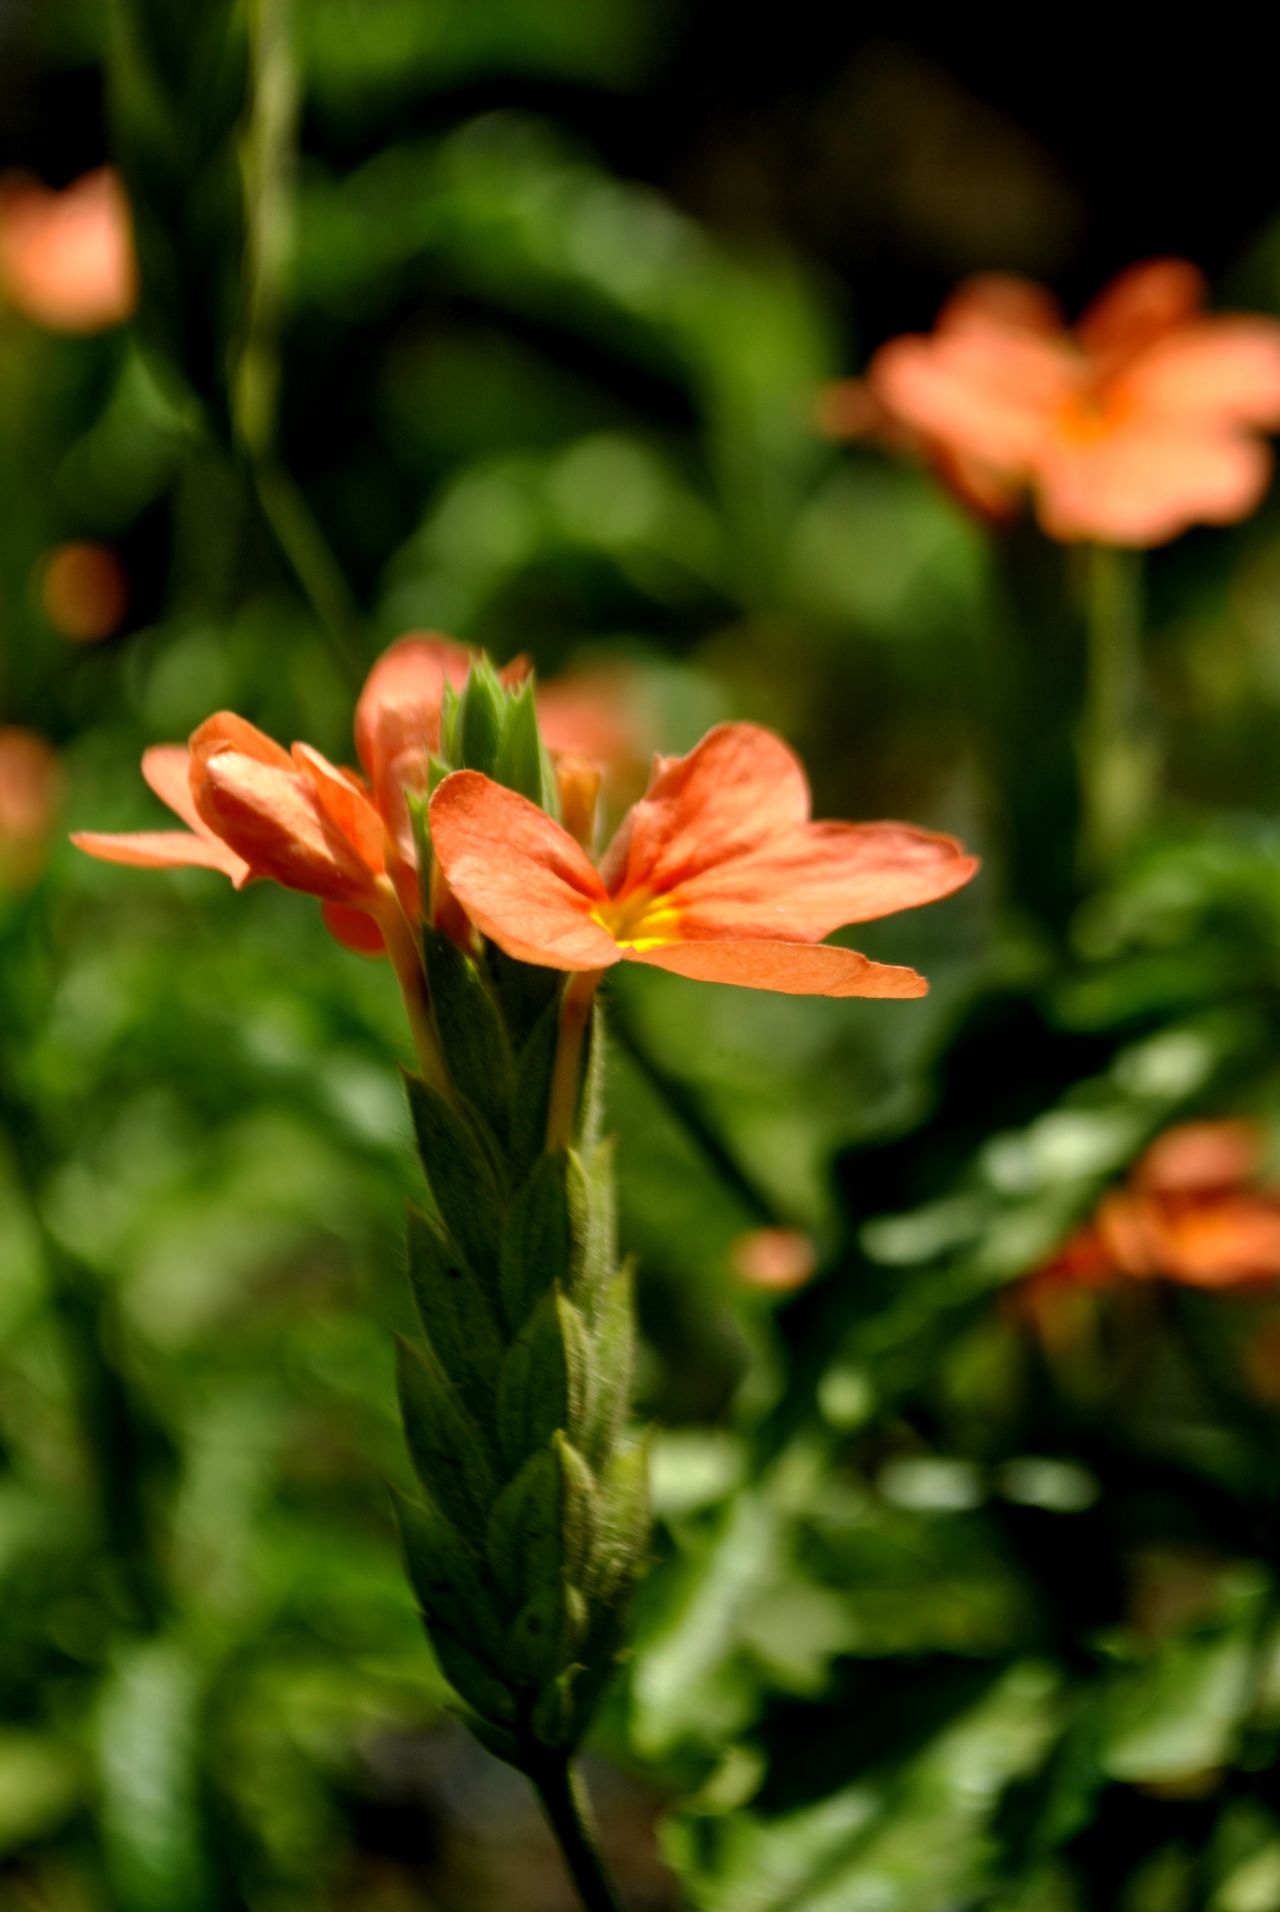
773	1259
84	591
30	798
66	258
1127	429
1193	1211
716	874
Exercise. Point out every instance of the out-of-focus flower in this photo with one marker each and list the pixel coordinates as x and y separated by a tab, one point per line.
66	258
774	1259
31	788
1193	1211
717	874
84	591
1137	423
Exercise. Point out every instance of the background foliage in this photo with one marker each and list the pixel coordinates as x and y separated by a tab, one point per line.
507	320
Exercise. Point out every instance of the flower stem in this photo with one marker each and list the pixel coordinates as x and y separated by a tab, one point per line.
561	1796
575	1014
406	960
1114	744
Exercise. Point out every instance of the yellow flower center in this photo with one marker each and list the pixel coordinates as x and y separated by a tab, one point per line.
639	921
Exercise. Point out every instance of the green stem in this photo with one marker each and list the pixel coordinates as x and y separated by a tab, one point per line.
561	1796
406	959
1114	743
575	1014
303	546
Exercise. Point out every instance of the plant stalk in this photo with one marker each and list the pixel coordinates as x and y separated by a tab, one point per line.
1116	756
562	1799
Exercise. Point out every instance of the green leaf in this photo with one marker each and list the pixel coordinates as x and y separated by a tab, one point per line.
530	997
456	1315
537	1645
623	1524
450	728
448	1579
463	1180
544	1379
612	1338
448	1451
481	718
477	1684
535	1067
471	1030
538	1244
590	1187
523	763
523	1539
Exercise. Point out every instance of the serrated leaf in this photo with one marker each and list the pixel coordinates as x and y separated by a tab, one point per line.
471	1030
537	1244
448	1579
448	1451
462	1178
612	1337
544	1379
523	763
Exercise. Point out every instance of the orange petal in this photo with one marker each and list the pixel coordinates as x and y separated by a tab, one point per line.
1143	483
162	850
988	394
399	707
1001	299
1140	305
734	791
790	969
66	258
807	882
225	731
167	770
578	782
1220	372
521	879
345	805
354	929
274	819
1201	1156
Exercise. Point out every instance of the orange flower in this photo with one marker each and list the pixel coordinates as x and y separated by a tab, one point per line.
84	591
1137	424
30	794
1192	1211
717	873
773	1259
66	258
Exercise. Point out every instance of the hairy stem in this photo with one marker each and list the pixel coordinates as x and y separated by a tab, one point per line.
575	1014
561	1796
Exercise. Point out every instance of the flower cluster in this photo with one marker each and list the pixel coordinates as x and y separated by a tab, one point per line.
717	873
1138	422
